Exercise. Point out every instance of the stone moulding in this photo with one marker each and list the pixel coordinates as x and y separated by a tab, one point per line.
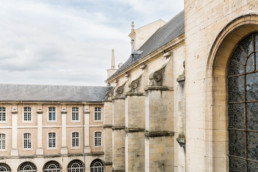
134	130
107	126
96	153
118	98
181	78
113	170
134	94
159	133
118	127
159	88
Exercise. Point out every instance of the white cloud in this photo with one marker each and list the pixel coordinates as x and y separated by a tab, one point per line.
48	43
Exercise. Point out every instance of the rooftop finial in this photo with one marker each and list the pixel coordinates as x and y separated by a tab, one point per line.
113	59
132	26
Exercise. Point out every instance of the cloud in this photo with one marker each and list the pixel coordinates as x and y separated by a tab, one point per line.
65	41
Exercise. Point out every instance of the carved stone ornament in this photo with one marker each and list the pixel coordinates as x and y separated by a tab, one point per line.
157	77
120	90
135	84
109	95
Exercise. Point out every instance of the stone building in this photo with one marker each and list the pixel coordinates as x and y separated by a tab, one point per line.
51	128
185	100
187	97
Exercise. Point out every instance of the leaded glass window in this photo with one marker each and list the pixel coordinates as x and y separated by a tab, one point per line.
75	166
51	140
27	167
2	141
27	140
4	168
75	114
75	139
52	166
97	113
243	106
27	114
97	166
2	114
97	138
51	113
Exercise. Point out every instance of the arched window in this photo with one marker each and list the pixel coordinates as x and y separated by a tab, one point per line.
243	106
97	166
4	167
52	166
27	167
75	166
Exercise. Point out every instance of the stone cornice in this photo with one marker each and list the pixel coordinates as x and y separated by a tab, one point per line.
107	126
134	94
159	88
134	130
118	127
159	133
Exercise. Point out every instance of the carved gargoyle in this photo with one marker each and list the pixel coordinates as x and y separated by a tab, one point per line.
181	78
156	78
135	84
109	95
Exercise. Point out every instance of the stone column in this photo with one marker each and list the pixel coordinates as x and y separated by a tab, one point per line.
159	140
39	150
64	150
108	135
118	135
135	126
14	111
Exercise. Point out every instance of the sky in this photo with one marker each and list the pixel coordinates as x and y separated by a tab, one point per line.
69	42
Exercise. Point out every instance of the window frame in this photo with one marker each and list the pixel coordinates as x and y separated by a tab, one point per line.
5	116
3	133
75	138
97	139
23	117
49	120
48	140
96	113
28	139
76	120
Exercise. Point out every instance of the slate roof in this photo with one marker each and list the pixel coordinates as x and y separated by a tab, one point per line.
52	93
174	28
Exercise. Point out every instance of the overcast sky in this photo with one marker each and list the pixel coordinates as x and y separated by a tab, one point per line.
69	42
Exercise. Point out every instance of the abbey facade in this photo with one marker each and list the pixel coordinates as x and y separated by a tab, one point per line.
185	100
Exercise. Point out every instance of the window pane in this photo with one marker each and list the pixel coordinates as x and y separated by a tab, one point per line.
237	143
239	55
235	68
250	64
236	89
252	86
252	116
252	146
236	116
247	44
236	165
256	61
252	166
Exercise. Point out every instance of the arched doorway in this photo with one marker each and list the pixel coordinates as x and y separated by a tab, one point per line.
52	166
27	167
4	167
243	106
76	166
97	166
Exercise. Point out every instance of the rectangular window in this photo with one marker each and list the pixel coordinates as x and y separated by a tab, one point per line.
2	114
2	141
97	113
51	113
75	114
75	139
97	138
51	140
27	140
27	114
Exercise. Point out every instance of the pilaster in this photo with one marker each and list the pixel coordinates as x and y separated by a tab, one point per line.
39	150
86	113
14	111
64	149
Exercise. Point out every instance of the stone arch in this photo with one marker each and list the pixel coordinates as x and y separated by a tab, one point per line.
97	165
216	74
52	166
5	167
